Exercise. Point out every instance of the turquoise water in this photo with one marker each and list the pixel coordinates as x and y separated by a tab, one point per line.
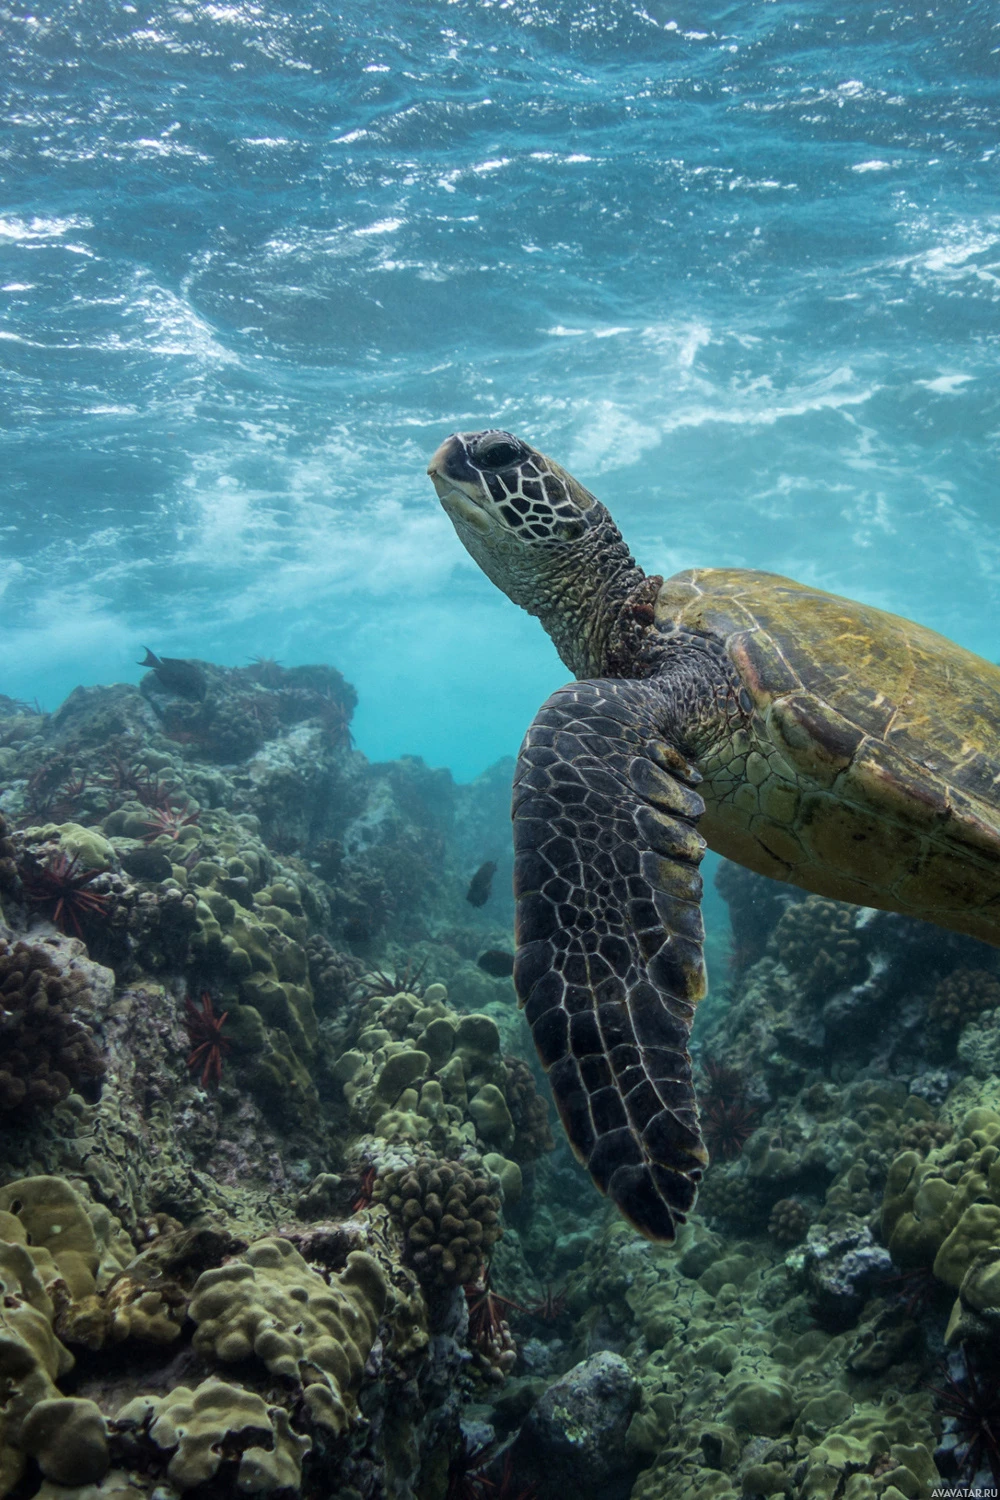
737	266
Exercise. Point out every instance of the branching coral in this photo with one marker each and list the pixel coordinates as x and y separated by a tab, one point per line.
450	1215
44	1050
961	997
789	1221
331	974
816	941
8	864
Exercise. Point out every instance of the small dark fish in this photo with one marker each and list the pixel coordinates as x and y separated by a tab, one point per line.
497	962
178	675
481	884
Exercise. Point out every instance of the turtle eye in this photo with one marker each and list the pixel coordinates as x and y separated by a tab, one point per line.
498	453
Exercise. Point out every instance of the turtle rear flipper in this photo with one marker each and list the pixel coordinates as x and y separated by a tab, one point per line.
610	965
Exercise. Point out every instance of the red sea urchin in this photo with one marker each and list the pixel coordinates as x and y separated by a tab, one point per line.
970	1404
62	886
729	1116
208	1043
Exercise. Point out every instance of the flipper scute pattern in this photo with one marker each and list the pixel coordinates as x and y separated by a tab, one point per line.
609	965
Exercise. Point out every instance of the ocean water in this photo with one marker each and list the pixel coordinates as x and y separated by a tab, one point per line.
736	265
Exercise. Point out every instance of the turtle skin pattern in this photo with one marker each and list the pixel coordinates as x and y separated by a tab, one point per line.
609	965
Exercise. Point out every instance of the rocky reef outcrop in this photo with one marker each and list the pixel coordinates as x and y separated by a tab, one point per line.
282	1210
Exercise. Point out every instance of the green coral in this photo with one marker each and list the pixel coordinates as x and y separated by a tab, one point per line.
205	1428
944	1210
420	1072
66	1435
82	1249
449	1214
271	1304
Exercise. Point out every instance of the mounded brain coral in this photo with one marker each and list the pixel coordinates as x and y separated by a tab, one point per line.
218	1426
270	1303
945	1210
45	1051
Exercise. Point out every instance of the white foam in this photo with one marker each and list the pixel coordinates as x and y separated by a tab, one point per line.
40	227
946	385
382	226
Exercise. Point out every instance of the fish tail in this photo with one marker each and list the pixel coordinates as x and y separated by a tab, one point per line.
150	659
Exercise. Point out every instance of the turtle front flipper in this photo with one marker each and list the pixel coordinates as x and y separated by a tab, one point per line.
609	963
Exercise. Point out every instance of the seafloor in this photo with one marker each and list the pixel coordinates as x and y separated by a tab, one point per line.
283	1209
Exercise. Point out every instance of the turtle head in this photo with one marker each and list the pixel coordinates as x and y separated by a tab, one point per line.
509	503
542	538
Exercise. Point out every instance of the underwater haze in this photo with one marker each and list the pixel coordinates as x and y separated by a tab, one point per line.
736	266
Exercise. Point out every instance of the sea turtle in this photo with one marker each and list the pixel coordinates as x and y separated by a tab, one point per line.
803	735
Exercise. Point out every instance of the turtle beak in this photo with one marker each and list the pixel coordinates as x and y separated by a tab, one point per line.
457	486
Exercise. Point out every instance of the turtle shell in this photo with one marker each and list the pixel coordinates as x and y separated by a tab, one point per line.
871	769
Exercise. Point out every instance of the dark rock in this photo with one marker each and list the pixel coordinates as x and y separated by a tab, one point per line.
573	1440
147	864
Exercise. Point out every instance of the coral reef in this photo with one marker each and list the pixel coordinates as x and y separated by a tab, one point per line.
281	1211
528	1111
816	941
789	1221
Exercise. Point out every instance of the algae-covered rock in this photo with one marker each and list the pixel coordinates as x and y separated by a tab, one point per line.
269	1303
574	1439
